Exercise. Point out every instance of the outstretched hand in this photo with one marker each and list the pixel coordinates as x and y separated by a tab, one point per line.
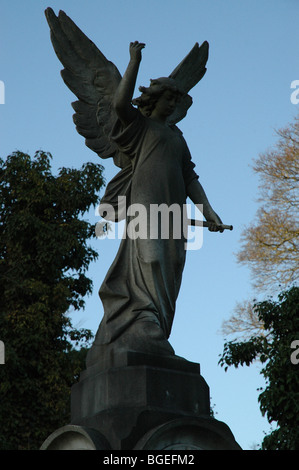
135	50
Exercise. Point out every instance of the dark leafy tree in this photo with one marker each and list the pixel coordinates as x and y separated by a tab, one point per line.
276	349
44	255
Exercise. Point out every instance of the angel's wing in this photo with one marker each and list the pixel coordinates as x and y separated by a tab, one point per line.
93	79
187	74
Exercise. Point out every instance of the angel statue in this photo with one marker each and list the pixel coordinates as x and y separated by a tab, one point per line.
140	289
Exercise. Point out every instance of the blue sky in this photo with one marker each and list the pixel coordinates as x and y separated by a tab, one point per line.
243	98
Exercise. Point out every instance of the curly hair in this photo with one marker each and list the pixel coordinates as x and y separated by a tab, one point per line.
150	95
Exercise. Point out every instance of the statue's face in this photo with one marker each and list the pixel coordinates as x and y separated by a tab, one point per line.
166	104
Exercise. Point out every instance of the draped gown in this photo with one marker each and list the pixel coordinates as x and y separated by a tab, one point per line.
140	289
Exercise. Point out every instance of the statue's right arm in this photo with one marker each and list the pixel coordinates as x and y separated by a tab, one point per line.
124	93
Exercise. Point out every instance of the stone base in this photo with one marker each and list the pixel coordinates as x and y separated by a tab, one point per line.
72	437
142	401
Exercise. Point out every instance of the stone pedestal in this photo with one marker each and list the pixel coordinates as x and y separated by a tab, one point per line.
142	402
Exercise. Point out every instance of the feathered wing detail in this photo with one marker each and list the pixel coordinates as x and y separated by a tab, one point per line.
93	79
187	74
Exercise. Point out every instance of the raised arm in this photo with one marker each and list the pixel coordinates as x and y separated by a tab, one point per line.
125	90
198	196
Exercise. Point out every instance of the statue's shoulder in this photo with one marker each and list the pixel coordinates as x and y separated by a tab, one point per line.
176	130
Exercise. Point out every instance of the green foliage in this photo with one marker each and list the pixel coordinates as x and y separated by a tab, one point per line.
279	401
43	259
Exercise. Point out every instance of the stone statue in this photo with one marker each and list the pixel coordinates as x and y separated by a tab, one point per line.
135	392
140	289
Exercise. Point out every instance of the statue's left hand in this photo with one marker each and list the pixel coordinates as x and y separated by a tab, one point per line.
215	222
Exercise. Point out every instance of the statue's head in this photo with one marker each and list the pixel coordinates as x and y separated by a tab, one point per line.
150	95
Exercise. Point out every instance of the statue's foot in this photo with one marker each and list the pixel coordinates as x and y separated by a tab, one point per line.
146	336
143	336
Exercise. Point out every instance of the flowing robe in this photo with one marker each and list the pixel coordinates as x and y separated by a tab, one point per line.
144	280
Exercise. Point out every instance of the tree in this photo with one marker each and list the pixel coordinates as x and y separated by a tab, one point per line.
270	245
44	256
279	401
266	330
